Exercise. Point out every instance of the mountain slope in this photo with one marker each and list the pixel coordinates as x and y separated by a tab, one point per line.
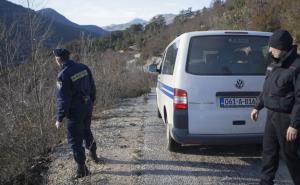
169	18
60	29
56	17
22	28
115	27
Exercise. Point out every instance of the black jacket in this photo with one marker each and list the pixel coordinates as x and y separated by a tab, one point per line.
281	91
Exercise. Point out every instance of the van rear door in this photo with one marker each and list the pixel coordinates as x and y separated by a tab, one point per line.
225	74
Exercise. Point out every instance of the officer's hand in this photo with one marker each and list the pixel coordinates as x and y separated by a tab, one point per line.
254	114
58	124
291	134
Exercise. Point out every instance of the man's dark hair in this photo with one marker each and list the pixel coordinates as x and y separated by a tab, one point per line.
64	54
65	57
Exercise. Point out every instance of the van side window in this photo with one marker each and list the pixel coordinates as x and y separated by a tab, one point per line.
170	58
160	64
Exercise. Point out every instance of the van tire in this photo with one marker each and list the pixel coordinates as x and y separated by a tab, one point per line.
172	145
158	113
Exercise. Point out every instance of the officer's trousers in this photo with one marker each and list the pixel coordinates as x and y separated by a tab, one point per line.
276	145
79	130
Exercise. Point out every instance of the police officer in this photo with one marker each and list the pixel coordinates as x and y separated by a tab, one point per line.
75	99
281	97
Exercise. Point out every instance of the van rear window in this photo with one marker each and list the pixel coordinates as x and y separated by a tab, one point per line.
228	55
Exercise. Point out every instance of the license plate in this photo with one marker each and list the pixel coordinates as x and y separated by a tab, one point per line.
231	102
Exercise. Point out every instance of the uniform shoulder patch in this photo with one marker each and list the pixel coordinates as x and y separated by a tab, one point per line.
79	75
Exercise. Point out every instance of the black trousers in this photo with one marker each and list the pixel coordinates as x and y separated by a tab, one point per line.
276	145
79	130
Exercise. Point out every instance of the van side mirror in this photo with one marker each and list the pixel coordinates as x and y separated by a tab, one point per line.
153	68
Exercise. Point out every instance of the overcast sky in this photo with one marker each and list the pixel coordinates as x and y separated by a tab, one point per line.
106	12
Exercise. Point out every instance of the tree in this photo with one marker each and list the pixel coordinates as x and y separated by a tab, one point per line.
156	23
264	14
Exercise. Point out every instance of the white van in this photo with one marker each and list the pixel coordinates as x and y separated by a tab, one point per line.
207	85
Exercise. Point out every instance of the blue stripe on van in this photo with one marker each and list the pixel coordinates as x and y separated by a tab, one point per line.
166	87
162	87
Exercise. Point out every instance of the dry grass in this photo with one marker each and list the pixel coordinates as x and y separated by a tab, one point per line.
27	100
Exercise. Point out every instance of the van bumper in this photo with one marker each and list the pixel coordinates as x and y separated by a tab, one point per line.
183	137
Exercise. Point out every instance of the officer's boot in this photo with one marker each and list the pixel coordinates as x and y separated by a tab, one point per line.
82	171
93	156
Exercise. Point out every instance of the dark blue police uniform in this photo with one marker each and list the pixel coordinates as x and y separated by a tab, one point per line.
75	98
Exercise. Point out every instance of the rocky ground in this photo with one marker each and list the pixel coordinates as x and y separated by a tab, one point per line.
131	142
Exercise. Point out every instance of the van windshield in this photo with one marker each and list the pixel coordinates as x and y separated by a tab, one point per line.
228	55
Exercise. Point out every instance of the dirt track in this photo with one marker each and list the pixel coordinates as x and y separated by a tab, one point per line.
131	140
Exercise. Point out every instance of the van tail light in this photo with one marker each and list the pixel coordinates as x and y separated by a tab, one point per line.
180	99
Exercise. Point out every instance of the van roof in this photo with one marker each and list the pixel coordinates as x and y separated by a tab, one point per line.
221	32
227	32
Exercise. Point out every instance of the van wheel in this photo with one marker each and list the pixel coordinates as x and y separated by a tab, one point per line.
172	145
158	113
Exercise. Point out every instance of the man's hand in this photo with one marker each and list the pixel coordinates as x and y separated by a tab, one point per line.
291	134
58	124
254	114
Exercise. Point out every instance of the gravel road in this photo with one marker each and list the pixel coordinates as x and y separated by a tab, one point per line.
131	141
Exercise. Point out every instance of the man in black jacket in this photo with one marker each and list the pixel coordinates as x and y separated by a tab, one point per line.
281	97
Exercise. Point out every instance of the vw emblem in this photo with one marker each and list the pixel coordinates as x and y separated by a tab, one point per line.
239	84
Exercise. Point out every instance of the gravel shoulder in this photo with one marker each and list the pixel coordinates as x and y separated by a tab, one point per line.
131	142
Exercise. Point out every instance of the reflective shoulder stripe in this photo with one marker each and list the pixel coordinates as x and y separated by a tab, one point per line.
79	75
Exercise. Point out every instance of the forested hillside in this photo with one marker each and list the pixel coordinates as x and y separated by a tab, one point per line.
259	15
